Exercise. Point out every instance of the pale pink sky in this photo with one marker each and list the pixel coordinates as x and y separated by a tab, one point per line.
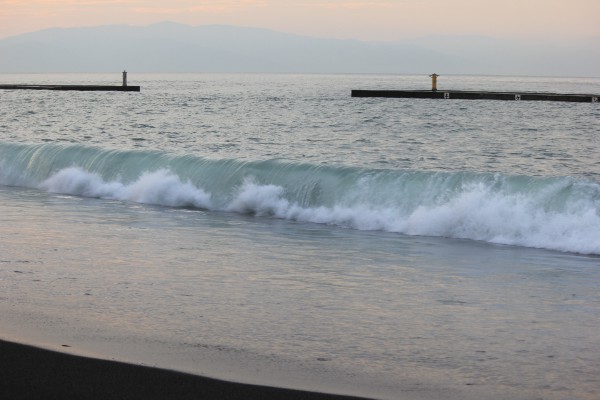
358	19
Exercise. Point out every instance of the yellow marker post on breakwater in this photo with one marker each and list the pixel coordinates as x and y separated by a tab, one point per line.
435	93
433	77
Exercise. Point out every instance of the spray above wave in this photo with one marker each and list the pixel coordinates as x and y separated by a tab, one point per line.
556	213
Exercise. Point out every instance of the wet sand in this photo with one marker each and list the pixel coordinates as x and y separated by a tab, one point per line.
28	372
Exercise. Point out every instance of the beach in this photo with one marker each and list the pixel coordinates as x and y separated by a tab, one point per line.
28	372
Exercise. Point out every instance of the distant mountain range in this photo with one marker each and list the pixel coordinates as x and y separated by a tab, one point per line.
172	47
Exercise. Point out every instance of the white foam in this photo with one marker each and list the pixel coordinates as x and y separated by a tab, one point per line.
477	213
258	199
159	187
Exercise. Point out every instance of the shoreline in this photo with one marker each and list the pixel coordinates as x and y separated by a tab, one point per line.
29	372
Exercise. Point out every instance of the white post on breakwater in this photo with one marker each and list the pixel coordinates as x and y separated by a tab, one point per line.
124	78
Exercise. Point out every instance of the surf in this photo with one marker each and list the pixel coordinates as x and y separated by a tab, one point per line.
557	213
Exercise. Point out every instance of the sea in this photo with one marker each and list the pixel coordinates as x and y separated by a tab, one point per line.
271	229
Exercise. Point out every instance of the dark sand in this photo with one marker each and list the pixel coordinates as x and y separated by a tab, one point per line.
32	373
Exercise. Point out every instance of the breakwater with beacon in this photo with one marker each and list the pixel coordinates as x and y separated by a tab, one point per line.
508	95
67	87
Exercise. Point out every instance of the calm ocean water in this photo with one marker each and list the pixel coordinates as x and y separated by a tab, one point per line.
271	228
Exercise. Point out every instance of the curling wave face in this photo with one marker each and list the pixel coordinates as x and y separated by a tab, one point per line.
559	213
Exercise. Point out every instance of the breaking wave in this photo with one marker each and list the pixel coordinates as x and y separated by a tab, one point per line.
559	213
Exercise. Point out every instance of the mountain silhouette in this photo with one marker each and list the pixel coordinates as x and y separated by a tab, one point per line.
173	47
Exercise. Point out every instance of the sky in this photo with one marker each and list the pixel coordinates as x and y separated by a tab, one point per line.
372	20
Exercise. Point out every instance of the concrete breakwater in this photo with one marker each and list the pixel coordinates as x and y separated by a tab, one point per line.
88	88
477	95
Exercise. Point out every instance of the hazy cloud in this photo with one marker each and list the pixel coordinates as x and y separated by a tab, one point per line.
227	6
201	6
383	20
352	5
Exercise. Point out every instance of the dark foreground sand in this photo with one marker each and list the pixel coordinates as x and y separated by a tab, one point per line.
31	373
